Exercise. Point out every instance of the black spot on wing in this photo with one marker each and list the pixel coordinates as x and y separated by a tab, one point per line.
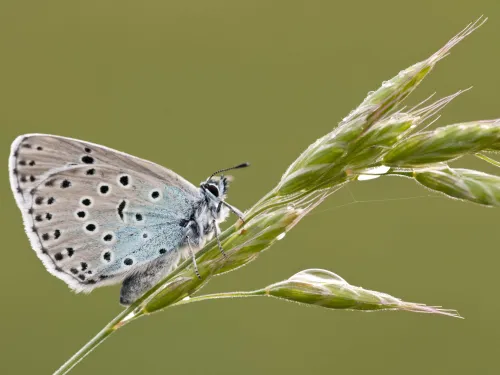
107	256
87	159
124	180
120	209
90	227
128	261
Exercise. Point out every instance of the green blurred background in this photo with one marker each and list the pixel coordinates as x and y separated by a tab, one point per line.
199	85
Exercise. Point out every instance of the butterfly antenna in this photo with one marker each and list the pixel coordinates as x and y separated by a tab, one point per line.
242	165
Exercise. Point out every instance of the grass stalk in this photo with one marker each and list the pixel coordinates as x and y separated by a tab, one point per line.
377	135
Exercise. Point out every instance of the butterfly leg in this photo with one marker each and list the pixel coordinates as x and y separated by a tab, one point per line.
195	266
216	232
234	210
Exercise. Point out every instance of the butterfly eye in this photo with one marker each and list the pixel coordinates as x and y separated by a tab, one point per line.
213	189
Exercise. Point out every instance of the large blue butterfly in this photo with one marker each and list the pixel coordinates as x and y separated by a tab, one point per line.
96	216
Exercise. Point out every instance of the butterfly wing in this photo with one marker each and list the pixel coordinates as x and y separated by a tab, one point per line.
95	215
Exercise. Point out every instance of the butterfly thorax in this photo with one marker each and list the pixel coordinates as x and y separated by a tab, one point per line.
208	212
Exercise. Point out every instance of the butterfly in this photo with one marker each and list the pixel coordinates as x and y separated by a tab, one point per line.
97	216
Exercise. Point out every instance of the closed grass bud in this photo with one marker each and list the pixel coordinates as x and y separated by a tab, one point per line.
326	289
444	144
464	184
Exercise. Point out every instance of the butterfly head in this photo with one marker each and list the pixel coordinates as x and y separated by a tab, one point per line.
215	190
216	186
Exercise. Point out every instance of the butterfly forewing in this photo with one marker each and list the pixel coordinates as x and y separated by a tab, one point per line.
94	214
34	155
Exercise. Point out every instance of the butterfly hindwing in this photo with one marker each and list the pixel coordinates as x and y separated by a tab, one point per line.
93	223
